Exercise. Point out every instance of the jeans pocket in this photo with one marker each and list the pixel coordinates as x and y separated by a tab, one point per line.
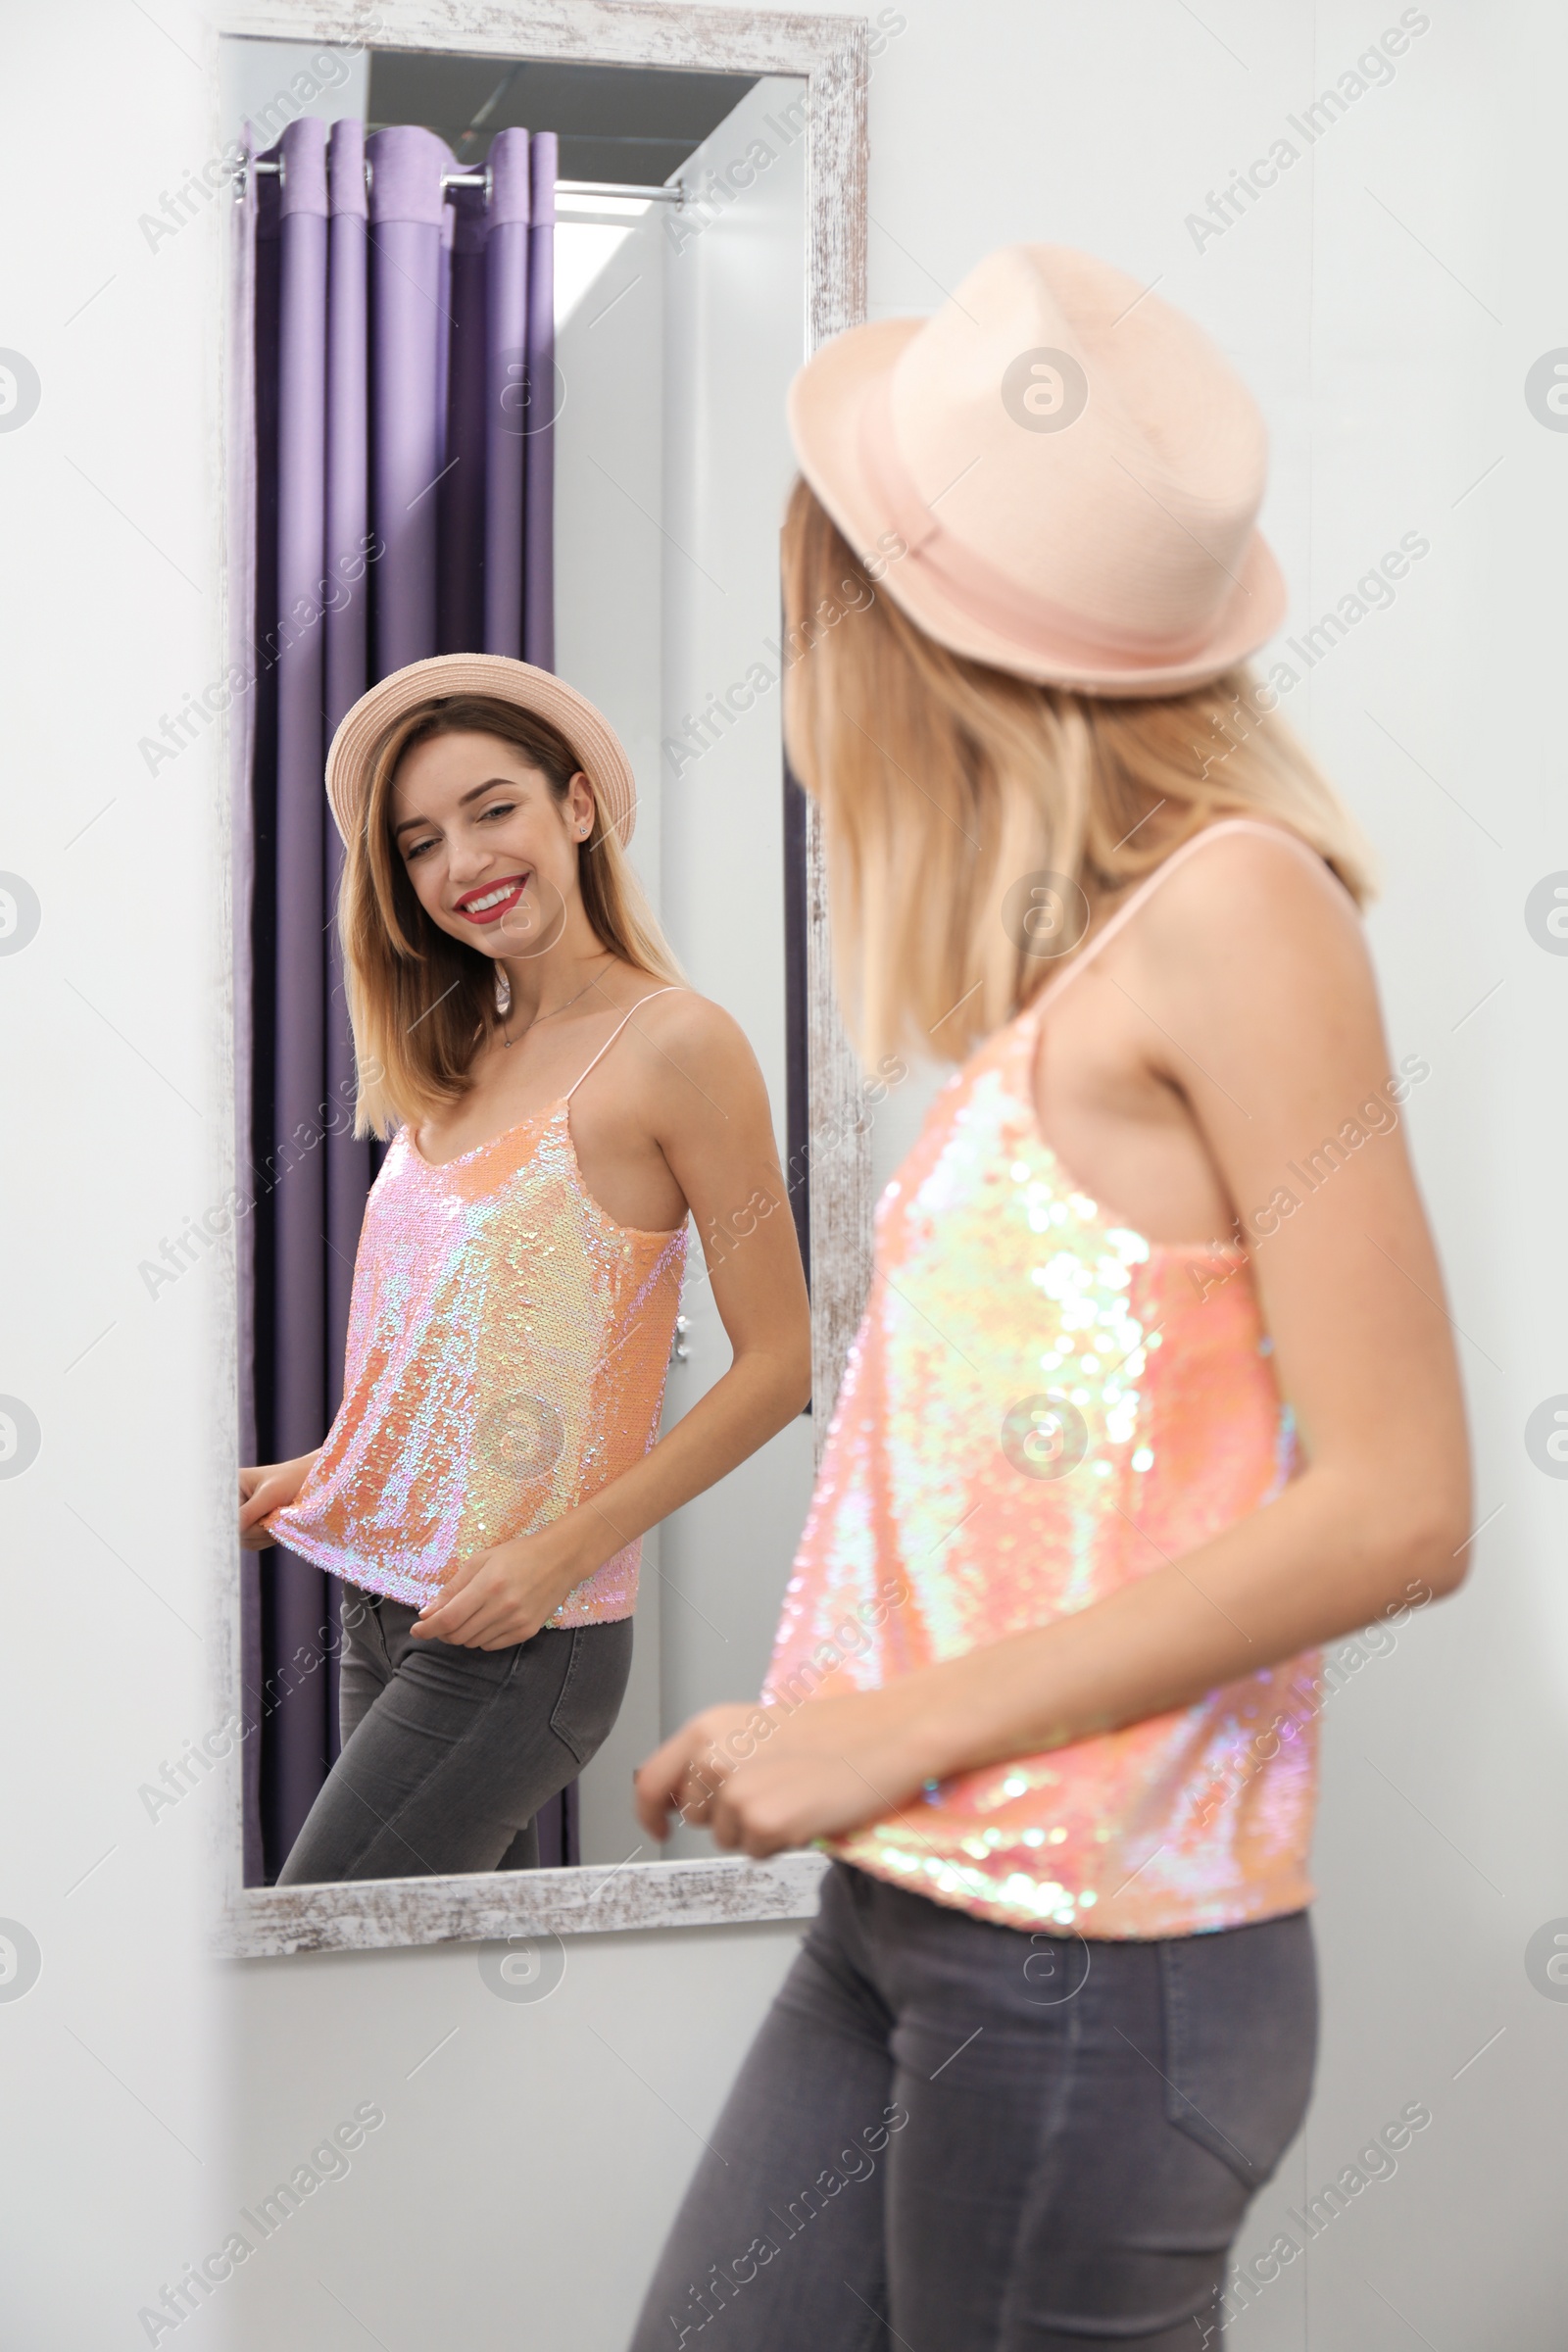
1240	2039
594	1686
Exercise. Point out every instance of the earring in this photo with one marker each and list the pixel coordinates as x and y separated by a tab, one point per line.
502	992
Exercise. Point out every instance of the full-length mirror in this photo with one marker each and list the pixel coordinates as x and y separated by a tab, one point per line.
509	337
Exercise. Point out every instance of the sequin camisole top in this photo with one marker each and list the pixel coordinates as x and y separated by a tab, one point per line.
1041	1405
507	1351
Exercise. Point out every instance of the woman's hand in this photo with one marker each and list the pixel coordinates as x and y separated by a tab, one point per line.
505	1592
263	1490
684	1775
764	1779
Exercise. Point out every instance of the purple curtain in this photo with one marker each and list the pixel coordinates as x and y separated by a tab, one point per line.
392	341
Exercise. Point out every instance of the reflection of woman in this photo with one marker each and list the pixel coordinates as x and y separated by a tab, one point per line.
1043	1684
561	1103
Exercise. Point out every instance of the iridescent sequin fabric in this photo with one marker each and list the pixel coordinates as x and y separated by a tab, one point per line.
507	1351
1040	1406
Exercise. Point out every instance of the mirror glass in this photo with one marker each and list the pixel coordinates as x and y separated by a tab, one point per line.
655	440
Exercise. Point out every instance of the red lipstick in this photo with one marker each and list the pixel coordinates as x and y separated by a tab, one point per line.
491	901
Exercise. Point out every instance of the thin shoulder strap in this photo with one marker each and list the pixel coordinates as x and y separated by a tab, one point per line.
671	991
1152	882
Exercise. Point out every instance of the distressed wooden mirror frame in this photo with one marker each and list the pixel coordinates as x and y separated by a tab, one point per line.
829	55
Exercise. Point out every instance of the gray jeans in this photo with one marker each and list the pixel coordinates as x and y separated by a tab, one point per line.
448	1753
954	2136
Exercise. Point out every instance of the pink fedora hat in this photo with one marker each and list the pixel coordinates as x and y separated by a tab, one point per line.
1071	466
597	748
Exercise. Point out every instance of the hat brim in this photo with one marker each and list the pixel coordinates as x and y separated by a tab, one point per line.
825	407
597	748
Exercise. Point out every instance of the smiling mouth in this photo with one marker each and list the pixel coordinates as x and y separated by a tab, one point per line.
490	905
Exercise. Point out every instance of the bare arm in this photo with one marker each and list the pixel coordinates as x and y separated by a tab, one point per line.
706	1108
1258	1004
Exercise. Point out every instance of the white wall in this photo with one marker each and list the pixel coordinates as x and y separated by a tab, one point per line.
610	463
1387	300
112	2074
735	333
671	468
269	84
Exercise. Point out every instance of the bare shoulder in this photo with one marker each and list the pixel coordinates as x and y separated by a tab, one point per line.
695	1060
678	1019
1258	899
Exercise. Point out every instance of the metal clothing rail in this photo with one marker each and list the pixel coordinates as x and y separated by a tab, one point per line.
273	165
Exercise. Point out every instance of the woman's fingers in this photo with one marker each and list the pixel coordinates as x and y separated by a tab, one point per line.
484	1613
682	1777
791	1796
764	1784
456	1603
747	1820
257	1498
657	1786
692	1773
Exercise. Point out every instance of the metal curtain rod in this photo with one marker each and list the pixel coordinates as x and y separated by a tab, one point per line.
274	168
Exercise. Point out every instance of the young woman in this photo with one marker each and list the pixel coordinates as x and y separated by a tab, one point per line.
1154	1390
561	1103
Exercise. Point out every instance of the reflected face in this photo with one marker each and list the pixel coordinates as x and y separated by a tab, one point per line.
489	848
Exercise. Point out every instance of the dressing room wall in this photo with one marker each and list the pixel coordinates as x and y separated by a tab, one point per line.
672	463
1389	307
610	625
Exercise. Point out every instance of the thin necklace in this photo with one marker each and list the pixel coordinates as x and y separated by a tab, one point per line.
509	1040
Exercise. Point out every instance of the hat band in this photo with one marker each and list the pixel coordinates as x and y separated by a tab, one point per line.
1033	622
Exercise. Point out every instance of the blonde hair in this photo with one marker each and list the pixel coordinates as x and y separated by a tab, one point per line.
943	783
421	1000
